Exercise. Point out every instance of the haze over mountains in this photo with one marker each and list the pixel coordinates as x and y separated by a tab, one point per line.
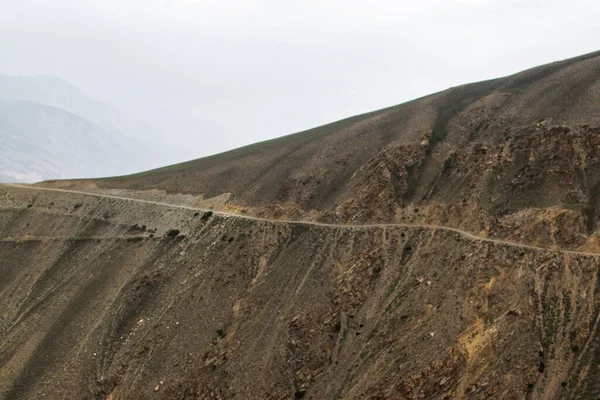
50	130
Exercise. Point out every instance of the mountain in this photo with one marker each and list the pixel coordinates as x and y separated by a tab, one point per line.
489	156
43	142
442	248
47	142
24	160
55	92
51	130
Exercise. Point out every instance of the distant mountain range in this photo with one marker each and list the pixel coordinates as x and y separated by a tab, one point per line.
49	129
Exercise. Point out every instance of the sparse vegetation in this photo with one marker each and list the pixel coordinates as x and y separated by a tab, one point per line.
542	367
575	349
206	215
137	229
376	271
171	233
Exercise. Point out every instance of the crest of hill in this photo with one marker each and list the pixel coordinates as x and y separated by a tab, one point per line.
518	144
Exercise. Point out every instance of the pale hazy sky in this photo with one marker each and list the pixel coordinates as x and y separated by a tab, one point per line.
252	70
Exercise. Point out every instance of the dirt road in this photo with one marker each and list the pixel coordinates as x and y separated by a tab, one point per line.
314	223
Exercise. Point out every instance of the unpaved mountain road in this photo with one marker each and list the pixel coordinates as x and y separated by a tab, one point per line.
314	223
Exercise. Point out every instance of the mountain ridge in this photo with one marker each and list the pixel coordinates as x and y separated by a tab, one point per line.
484	157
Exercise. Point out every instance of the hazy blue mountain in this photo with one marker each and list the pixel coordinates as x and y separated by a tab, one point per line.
58	93
43	142
22	159
49	129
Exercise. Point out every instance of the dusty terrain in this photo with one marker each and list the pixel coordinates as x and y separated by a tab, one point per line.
443	248
99	303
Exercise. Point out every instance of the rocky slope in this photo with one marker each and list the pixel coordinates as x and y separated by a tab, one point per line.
111	298
515	157
100	300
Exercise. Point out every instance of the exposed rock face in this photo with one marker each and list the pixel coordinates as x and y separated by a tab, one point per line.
98	302
388	176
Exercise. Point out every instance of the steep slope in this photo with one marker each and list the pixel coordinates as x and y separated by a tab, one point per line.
520	151
97	302
443	248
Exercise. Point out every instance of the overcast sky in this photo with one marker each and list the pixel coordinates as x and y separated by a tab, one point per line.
248	70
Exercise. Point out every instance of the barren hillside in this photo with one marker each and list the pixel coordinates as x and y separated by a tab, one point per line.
513	157
443	248
100	301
